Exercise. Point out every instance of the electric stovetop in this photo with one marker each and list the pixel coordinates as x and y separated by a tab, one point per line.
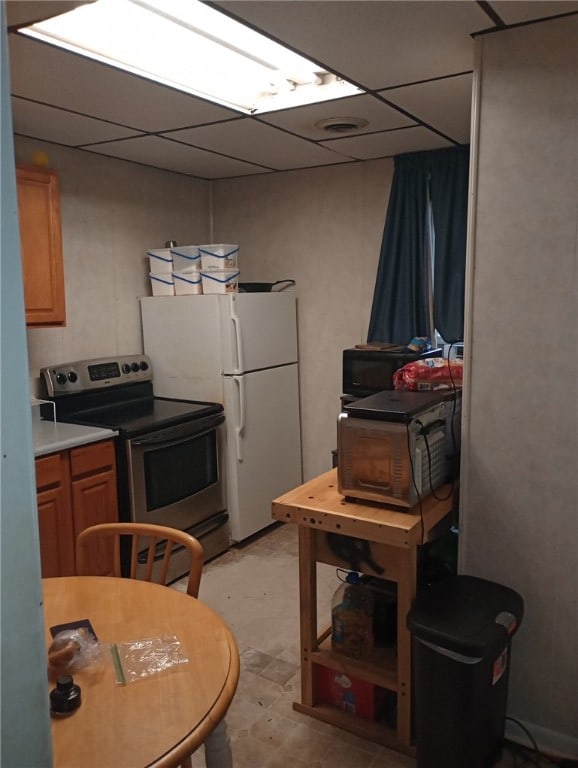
117	393
141	415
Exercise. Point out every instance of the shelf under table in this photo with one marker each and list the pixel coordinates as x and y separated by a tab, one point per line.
380	667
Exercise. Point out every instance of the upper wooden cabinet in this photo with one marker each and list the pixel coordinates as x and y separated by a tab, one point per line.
41	243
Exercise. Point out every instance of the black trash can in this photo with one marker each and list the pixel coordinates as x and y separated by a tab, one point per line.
461	634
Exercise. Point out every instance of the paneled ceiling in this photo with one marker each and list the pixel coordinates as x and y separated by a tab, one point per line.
413	60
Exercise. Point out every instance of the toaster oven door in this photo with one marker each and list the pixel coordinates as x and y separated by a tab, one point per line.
374	460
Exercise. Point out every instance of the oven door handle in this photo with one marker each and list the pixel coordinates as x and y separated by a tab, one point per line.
240	416
157	440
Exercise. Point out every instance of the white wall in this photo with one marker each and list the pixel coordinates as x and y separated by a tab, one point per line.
519	504
323	228
112	212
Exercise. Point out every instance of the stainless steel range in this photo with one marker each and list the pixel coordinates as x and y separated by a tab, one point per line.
169	452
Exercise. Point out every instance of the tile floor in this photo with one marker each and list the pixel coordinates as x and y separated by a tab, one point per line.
254	588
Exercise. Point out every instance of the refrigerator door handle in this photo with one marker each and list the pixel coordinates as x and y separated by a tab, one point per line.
238	342
240	420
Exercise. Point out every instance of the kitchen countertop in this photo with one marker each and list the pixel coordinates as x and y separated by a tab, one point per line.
53	436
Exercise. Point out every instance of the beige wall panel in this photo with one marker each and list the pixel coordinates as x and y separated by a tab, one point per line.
519	508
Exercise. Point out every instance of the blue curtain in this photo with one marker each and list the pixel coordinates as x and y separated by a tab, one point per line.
401	297
449	176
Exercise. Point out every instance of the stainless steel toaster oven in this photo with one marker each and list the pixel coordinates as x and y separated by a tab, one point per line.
392	447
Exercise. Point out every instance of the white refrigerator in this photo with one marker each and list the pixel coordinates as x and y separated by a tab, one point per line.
239	350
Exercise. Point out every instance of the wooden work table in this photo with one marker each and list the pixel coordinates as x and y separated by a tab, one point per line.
386	544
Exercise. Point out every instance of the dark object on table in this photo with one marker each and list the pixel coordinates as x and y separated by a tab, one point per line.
65	698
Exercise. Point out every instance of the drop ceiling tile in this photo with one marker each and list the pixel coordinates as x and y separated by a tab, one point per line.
256	142
513	13
301	120
389	143
375	44
44	73
444	104
383	45
172	156
39	121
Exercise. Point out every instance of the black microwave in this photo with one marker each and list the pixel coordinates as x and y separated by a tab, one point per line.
366	371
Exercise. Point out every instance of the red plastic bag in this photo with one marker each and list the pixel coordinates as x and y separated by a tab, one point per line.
429	374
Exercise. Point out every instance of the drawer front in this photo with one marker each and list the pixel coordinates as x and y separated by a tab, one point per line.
92	458
48	471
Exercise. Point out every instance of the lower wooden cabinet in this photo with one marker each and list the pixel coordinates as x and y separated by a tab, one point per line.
54	515
75	489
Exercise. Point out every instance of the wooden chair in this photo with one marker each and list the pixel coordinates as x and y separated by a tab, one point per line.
217	746
143	537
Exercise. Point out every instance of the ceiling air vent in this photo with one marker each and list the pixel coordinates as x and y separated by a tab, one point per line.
341	124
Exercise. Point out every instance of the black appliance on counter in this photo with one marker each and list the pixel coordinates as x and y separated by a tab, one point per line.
367	371
169	453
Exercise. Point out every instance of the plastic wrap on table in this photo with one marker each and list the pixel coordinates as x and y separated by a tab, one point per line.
149	656
71	650
429	374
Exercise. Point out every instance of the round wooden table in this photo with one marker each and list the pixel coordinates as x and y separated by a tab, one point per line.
154	721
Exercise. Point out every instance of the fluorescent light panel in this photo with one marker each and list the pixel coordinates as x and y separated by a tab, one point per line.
193	48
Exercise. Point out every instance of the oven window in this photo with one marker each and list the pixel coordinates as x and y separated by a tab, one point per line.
179	471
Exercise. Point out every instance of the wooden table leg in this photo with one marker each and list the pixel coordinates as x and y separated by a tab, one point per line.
218	748
307	609
406	590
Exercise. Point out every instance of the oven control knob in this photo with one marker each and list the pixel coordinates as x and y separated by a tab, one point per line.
61	378
144	366
135	367
126	368
72	377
